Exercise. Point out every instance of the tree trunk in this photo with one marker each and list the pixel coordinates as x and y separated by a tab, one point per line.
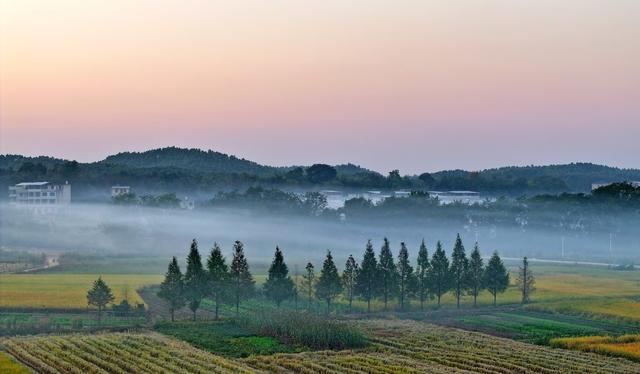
194	315
439	300
172	313
385	299
99	314
369	305
328	306
475	298
350	303
217	307
494	299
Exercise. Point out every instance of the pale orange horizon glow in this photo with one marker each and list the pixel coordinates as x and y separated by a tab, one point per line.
380	83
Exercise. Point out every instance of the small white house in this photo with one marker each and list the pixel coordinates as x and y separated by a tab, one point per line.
120	190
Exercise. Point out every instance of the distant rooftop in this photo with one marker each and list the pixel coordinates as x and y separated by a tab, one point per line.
32	184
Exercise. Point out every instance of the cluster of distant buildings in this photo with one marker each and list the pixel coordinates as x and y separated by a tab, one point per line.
46	194
336	199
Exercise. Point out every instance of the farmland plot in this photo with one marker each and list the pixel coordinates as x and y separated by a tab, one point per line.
396	347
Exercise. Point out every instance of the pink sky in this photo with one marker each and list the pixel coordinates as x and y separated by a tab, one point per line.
417	85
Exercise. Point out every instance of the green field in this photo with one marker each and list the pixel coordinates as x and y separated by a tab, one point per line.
37	322
538	328
224	338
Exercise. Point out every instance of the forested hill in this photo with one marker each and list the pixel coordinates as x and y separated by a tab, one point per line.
189	159
575	177
176	169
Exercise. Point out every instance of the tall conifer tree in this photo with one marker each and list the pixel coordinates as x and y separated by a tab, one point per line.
423	270
476	273
242	283
496	277
349	277
309	282
459	271
279	286
329	284
406	276
440	279
218	277
388	273
172	288
525	281
99	295
367	281
194	279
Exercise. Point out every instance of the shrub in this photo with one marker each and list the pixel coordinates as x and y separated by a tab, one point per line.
303	328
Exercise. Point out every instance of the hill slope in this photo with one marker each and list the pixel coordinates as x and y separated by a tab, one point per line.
190	159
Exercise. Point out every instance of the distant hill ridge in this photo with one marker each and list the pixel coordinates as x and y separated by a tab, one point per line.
573	177
190	159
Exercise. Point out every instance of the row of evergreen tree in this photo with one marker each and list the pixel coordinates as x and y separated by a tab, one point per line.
380	277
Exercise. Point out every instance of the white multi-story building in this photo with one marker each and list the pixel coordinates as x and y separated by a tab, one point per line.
40	193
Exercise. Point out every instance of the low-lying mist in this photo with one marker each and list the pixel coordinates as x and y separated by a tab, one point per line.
138	231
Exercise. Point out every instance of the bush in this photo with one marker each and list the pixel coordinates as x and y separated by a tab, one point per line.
305	329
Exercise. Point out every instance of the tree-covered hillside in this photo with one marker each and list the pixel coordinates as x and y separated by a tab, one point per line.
203	172
189	159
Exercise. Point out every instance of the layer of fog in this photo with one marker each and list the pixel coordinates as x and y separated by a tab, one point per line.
108	229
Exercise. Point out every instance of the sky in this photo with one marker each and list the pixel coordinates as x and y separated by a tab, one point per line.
415	85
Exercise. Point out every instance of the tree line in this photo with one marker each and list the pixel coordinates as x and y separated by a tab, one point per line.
380	277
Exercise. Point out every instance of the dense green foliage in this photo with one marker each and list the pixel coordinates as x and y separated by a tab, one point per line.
226	338
306	329
539	328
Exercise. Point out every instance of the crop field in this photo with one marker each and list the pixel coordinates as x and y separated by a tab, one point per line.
601	307
14	323
116	353
9	366
627	346
537	327
396	347
65	291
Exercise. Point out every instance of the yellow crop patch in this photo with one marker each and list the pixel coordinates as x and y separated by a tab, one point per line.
66	291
